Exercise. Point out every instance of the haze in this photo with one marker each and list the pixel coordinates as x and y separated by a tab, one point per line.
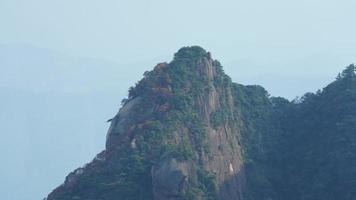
65	66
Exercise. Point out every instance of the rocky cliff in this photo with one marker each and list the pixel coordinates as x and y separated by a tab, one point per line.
175	137
186	131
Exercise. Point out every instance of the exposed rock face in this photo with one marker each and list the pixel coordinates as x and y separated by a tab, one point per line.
120	122
224	158
171	178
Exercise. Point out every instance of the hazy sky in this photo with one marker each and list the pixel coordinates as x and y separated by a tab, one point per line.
251	38
65	65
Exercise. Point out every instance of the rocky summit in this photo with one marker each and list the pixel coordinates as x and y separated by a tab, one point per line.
186	131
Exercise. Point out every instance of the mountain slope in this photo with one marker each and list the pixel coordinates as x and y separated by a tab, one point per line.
305	149
187	132
321	160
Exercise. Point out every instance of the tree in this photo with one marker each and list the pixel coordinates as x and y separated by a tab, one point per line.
349	71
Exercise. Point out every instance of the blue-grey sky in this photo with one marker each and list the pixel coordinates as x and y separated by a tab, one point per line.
251	38
65	65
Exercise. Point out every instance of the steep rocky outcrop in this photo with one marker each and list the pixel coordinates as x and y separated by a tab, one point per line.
186	131
179	128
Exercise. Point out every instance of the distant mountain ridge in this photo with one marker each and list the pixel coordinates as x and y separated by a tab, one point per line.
186	131
47	96
30	68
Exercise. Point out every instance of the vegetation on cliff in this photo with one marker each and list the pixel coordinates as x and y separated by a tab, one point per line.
178	113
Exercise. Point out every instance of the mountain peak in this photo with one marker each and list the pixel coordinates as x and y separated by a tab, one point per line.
187	132
191	69
191	52
171	136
